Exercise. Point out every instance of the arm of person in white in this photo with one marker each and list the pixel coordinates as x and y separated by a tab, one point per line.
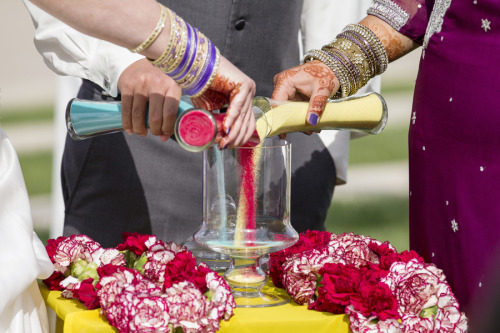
67	51
321	21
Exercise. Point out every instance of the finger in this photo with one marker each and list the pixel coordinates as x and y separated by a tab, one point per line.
232	133
127	99
245	129
316	106
170	108
155	113
250	128
139	113
283	89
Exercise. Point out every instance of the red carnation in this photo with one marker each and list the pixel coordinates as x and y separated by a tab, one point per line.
87	294
134	242
52	282
388	259
183	268
52	246
375	298
339	283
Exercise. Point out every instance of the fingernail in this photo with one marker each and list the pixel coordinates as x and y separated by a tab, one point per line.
129	131
313	119
229	129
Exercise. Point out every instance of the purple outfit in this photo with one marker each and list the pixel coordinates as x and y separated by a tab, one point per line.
454	138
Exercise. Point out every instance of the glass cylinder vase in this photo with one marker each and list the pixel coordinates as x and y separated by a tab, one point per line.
246	213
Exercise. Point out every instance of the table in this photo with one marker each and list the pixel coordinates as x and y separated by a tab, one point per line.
288	318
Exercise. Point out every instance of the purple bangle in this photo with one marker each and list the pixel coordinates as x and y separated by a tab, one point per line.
358	77
197	86
377	61
186	53
352	39
181	76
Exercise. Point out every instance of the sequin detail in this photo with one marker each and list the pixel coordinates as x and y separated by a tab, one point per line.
436	20
485	25
454	225
390	12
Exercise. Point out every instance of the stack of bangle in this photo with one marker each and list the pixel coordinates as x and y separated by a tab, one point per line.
190	58
355	56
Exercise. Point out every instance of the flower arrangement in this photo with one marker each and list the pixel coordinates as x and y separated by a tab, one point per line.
142	285
380	289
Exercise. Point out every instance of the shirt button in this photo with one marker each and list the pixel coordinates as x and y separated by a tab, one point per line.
240	24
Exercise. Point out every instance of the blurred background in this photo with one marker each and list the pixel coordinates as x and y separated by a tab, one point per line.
374	202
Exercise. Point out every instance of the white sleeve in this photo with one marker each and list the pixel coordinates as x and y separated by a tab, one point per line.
66	51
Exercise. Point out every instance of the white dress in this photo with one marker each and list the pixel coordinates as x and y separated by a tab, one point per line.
23	255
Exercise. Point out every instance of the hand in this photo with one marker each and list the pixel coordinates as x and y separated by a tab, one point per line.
142	83
313	81
232	86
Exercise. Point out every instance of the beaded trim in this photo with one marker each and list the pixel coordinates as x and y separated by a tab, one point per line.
436	20
390	12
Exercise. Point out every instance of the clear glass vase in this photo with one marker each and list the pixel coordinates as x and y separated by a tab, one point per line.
246	213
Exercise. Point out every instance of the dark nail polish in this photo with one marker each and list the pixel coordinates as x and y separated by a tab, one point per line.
229	129
313	119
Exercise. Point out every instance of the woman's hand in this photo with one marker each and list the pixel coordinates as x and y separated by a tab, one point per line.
313	81
142	83
232	86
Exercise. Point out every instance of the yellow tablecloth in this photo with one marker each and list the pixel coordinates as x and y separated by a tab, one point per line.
286	318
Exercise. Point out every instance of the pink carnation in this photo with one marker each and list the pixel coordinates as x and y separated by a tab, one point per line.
154	268
300	274
352	249
112	285
73	248
222	298
138	313
190	309
310	240
414	284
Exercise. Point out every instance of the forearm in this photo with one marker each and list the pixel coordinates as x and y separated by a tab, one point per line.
396	45
123	22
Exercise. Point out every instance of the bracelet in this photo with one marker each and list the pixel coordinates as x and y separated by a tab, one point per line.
336	66
355	56
156	32
189	58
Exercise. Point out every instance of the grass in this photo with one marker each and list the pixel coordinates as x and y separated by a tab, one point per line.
20	115
388	146
384	218
37	172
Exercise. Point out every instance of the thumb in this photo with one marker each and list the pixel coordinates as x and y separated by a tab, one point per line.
316	106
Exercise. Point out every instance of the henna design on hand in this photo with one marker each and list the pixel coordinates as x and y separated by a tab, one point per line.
218	94
324	75
392	43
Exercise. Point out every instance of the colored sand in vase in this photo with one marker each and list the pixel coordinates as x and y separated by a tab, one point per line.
245	218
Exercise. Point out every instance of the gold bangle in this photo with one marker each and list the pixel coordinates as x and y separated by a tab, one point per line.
163	60
156	32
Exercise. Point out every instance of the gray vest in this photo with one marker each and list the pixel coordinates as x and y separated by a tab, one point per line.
261	45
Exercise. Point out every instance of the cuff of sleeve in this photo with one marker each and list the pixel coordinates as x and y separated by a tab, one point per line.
110	64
